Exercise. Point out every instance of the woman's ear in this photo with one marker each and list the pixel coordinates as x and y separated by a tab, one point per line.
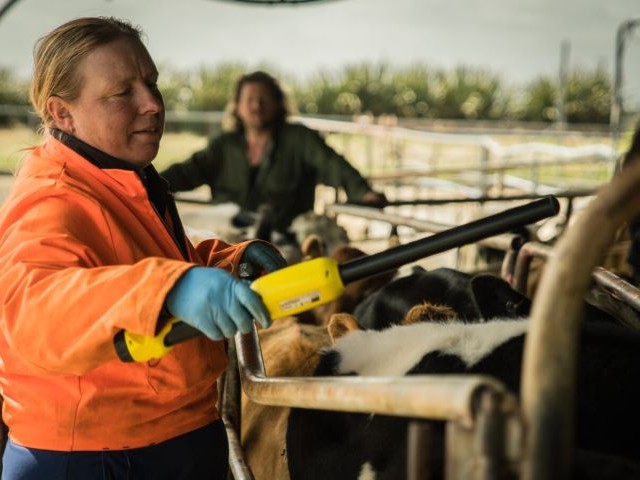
59	110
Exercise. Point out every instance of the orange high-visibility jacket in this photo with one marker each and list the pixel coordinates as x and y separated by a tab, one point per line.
83	254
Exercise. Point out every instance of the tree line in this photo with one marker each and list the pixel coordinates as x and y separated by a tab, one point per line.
416	91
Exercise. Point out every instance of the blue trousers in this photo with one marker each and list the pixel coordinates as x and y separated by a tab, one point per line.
201	454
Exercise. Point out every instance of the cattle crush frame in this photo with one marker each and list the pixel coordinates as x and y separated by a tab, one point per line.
489	433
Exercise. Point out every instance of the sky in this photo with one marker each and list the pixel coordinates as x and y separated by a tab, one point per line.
517	39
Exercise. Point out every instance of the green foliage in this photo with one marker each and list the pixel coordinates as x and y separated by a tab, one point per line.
412	97
466	93
12	90
207	88
539	101
212	87
176	88
588	98
416	91
318	96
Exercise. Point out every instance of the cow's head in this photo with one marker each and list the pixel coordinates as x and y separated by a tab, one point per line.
471	298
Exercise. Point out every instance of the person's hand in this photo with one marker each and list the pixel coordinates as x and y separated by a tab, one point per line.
216	303
260	257
374	199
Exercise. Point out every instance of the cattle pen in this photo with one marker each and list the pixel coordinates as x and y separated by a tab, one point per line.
440	177
489	433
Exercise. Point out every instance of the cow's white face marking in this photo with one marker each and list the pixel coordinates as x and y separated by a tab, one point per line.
394	351
367	472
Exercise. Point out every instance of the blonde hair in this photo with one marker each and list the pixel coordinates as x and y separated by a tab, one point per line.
57	54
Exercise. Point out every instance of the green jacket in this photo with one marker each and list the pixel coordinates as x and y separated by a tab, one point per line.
295	161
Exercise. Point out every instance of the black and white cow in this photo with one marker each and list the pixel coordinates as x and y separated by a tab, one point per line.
339	445
291	347
473	298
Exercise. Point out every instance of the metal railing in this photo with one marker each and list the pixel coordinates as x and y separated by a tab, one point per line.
389	153
475	447
475	408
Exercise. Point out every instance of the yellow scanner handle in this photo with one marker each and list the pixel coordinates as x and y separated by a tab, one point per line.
133	347
285	292
300	287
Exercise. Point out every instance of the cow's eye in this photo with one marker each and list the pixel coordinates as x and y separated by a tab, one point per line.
512	307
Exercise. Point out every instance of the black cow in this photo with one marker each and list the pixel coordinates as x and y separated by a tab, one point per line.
339	445
473	298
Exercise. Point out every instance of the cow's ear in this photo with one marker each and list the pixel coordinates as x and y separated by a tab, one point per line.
312	247
496	298
429	312
344	253
340	324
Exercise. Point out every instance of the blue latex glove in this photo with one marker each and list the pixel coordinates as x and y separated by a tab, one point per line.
216	303
259	257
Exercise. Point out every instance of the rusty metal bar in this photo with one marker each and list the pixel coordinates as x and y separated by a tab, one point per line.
612	283
491	442
508	265
490	439
370	213
438	397
493	168
491	450
617	286
230	404
420	454
550	357
459	445
582	192
523	261
237	464
503	241
231	416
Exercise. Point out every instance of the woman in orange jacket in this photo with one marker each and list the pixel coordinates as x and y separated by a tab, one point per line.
91	244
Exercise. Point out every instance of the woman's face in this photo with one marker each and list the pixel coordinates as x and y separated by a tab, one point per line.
120	109
256	107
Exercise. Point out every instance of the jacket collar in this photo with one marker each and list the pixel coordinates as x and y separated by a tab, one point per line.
156	187
99	158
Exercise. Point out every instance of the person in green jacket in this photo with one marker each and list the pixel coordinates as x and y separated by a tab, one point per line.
267	161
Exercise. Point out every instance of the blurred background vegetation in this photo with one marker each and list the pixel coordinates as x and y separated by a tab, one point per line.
412	92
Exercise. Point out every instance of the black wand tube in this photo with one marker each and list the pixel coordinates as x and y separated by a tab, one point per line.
502	222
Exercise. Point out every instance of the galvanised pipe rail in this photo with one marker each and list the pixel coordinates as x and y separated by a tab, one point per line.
370	213
503	241
584	192
548	389
616	286
230	411
597	157
621	289
526	253
437	397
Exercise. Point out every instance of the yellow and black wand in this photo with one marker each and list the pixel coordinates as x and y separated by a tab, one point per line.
306	285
